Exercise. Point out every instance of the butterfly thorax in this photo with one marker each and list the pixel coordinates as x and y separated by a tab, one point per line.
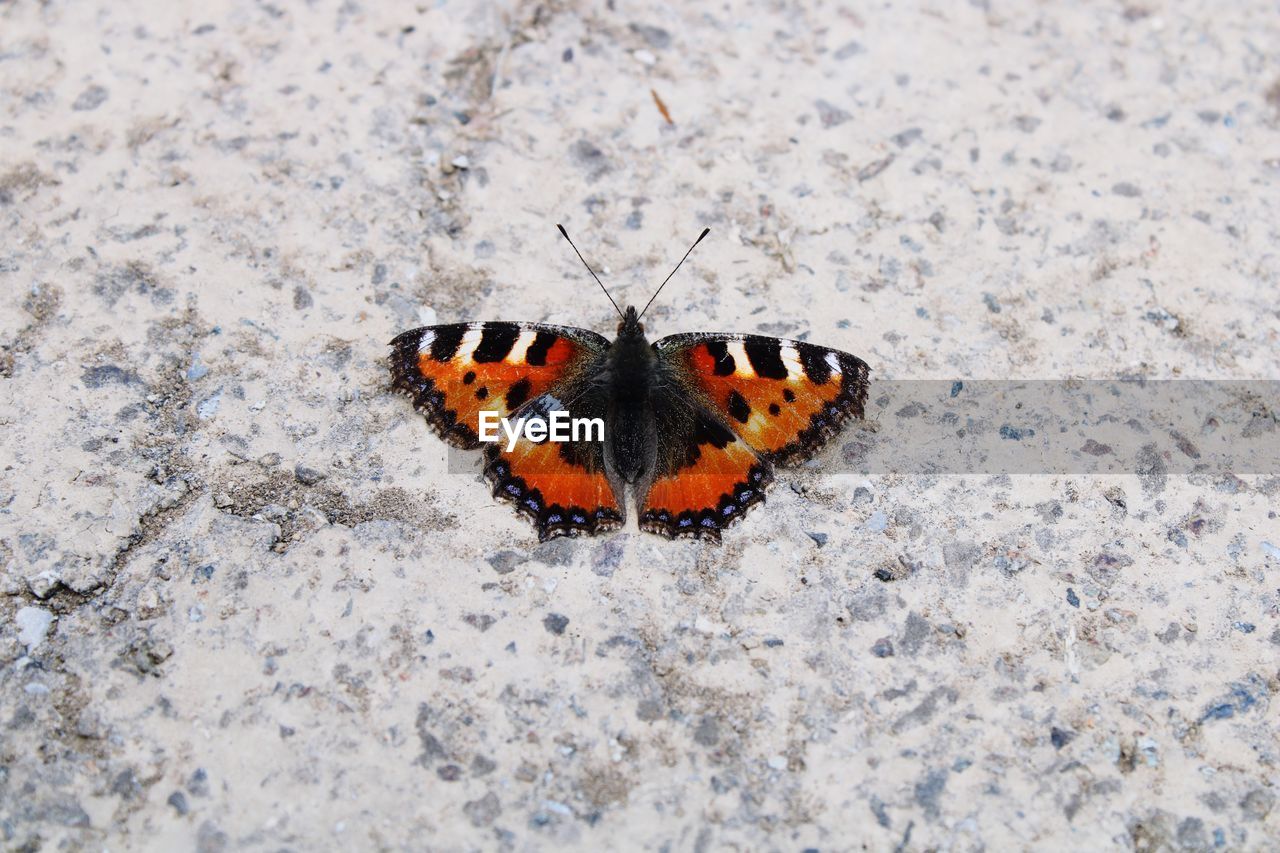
629	425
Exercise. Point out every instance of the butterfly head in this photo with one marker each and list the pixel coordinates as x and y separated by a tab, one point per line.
630	324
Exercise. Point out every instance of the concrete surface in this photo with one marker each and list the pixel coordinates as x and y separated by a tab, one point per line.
246	607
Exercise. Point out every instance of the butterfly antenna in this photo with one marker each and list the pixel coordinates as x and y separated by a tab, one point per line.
705	232
589	269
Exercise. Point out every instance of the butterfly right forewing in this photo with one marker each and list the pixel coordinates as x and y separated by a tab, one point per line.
784	398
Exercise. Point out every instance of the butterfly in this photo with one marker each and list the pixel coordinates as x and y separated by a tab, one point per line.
694	423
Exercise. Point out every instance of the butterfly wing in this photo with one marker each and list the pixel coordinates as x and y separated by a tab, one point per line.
729	407
705	477
455	372
783	398
562	487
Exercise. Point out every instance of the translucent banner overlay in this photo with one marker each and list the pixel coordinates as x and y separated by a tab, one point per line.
1149	428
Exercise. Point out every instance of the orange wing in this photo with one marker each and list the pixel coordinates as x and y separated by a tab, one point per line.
707	477
783	398
455	372
562	488
517	370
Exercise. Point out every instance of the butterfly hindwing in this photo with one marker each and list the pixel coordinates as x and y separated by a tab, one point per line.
706	476
561	486
456	371
783	398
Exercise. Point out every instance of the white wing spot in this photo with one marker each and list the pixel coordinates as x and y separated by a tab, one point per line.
521	347
470	341
424	345
834	363
791	360
741	364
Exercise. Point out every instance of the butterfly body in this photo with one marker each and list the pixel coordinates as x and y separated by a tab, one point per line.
632	441
693	424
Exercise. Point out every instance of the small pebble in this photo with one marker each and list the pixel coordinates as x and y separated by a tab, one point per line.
33	626
90	99
830	115
196	370
179	802
307	476
208	407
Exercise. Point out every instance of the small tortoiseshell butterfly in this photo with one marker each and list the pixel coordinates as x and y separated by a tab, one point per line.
694	423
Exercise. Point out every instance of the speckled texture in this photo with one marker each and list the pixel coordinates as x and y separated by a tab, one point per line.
246	607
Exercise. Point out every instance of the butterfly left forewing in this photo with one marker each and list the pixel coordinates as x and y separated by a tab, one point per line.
784	398
454	372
